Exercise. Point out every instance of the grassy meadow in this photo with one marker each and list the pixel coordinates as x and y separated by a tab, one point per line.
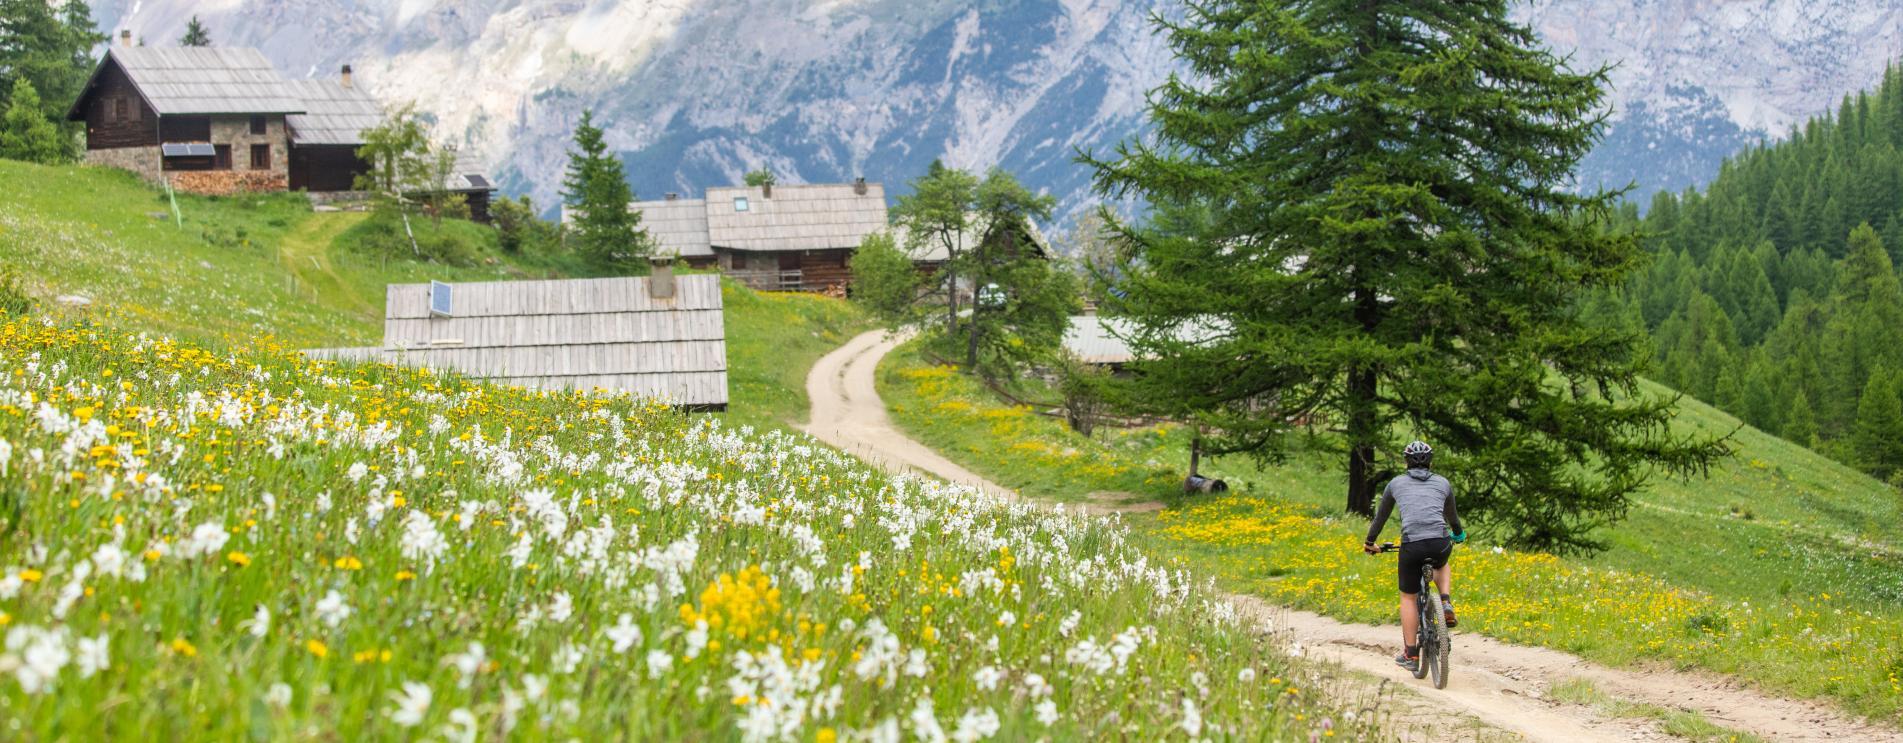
243	543
1780	568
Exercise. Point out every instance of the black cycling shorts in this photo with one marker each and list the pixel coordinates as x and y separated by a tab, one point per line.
1421	555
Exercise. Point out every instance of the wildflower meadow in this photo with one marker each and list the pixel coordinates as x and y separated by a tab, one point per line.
248	544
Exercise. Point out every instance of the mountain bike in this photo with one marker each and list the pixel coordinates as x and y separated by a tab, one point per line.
1432	637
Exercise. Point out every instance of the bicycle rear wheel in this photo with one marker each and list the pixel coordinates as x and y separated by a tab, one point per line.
1423	639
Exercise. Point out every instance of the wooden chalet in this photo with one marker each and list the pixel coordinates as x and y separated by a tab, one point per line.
222	120
660	336
776	238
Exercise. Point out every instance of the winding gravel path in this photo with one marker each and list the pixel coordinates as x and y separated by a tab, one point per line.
1499	685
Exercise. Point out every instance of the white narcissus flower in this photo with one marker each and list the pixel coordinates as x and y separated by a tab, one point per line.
461	727
279	695
567	658
1245	675
659	663
206	538
1192	723
987	678
409	706
976	725
925	723
422	540
260	623
561	608
467	663
110	559
624	634
1047	713
332	609
92	655
356	472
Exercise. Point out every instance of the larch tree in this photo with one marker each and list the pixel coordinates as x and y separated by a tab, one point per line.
606	231
1393	249
937	214
195	34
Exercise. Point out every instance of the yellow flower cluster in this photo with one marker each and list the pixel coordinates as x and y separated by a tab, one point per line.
739	606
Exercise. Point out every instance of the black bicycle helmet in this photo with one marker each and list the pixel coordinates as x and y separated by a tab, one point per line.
1419	455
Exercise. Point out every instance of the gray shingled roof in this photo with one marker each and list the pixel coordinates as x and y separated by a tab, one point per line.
333	114
576	334
1095	339
795	218
678	226
206	80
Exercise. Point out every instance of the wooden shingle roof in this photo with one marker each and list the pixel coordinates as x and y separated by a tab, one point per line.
794	217
204	80
577	334
678	226
333	114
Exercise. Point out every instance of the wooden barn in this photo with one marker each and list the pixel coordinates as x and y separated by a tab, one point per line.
325	137
659	336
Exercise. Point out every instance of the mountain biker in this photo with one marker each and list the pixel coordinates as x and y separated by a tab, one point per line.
1429	529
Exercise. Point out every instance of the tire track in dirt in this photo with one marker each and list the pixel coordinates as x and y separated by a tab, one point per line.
1499	684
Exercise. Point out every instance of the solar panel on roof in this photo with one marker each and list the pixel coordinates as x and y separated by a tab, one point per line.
477	180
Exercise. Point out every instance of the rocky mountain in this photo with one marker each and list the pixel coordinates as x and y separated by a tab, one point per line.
696	92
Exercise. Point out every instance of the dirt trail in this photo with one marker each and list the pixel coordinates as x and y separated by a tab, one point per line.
1501	685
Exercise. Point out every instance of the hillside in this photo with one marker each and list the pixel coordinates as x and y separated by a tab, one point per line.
1773	293
306	550
1779	568
697	93
266	267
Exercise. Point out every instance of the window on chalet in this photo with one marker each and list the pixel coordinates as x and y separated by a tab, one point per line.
260	157
222	160
258	125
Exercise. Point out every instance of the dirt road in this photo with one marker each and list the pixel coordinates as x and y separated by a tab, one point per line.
1503	687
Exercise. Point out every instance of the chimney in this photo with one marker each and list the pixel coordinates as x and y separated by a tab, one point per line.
859	186
671	196
766	190
661	282
344	79
125	38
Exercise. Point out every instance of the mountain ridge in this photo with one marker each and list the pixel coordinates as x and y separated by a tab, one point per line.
697	92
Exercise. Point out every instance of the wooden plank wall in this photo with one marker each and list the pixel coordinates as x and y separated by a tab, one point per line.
105	129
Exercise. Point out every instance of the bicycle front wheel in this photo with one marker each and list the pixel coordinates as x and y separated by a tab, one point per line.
1434	656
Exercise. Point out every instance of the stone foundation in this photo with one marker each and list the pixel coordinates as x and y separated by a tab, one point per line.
143	161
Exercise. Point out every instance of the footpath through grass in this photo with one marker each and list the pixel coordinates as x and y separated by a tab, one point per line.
1781	568
244	543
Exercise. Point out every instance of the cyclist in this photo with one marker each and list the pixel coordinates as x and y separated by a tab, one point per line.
1429	529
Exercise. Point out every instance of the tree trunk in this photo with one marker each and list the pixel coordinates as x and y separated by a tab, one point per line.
951	299
1363	418
971	340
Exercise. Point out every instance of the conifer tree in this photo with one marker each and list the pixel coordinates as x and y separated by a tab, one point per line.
1393	247
25	134
195	34
1800	425
606	231
51	48
1877	441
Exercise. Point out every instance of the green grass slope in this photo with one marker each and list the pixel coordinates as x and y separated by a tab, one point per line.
1780	567
239	267
244	268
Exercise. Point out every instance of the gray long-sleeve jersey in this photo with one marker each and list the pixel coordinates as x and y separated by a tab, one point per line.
1426	502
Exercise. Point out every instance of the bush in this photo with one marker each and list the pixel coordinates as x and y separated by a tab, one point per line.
519	230
453	242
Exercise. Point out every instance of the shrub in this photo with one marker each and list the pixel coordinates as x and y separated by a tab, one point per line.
13	297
